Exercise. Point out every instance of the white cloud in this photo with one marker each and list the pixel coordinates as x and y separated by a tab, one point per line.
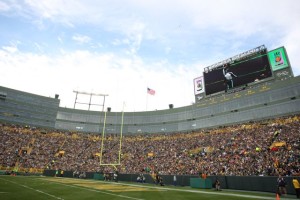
60	39
4	6
13	47
10	49
214	29
39	47
157	19
292	44
81	39
124	79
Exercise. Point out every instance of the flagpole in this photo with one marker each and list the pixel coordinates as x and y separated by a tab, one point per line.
147	100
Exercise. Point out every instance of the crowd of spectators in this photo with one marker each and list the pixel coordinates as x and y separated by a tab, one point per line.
263	148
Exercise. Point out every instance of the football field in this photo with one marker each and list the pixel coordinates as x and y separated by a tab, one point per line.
42	188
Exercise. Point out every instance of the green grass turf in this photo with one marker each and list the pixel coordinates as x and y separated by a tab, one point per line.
42	188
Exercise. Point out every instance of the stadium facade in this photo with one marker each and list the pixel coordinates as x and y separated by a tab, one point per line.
265	88
268	99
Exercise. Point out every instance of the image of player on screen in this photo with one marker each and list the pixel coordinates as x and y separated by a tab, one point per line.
228	76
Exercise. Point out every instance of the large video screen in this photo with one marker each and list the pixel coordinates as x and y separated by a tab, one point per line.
225	78
278	59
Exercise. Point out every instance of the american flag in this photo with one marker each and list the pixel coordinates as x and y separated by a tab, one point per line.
150	91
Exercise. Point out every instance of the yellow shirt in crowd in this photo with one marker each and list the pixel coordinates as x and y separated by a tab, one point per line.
296	183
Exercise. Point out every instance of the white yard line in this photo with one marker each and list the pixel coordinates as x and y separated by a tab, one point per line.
193	191
205	192
83	188
25	186
163	189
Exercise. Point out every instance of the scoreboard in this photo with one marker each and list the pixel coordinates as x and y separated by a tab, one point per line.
235	73
246	71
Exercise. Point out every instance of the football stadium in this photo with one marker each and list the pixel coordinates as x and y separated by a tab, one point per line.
239	140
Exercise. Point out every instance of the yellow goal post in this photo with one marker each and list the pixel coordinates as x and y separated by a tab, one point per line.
120	142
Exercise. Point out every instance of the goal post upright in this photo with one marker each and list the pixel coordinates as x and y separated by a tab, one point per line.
120	142
102	138
121	135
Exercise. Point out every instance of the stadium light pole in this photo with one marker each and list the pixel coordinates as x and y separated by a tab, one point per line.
90	100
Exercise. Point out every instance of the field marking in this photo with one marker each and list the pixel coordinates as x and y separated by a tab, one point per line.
197	191
155	187
25	186
205	192
100	185
92	190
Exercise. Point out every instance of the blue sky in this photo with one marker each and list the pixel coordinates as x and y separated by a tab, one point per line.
121	47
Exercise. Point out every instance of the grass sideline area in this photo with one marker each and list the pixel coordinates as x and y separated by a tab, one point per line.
42	188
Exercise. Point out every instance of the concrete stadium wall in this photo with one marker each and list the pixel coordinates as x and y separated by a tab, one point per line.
260	101
248	183
28	109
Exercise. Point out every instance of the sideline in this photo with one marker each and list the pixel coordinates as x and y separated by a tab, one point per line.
203	192
180	190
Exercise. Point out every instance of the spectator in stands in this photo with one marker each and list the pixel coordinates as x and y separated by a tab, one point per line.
203	175
234	148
